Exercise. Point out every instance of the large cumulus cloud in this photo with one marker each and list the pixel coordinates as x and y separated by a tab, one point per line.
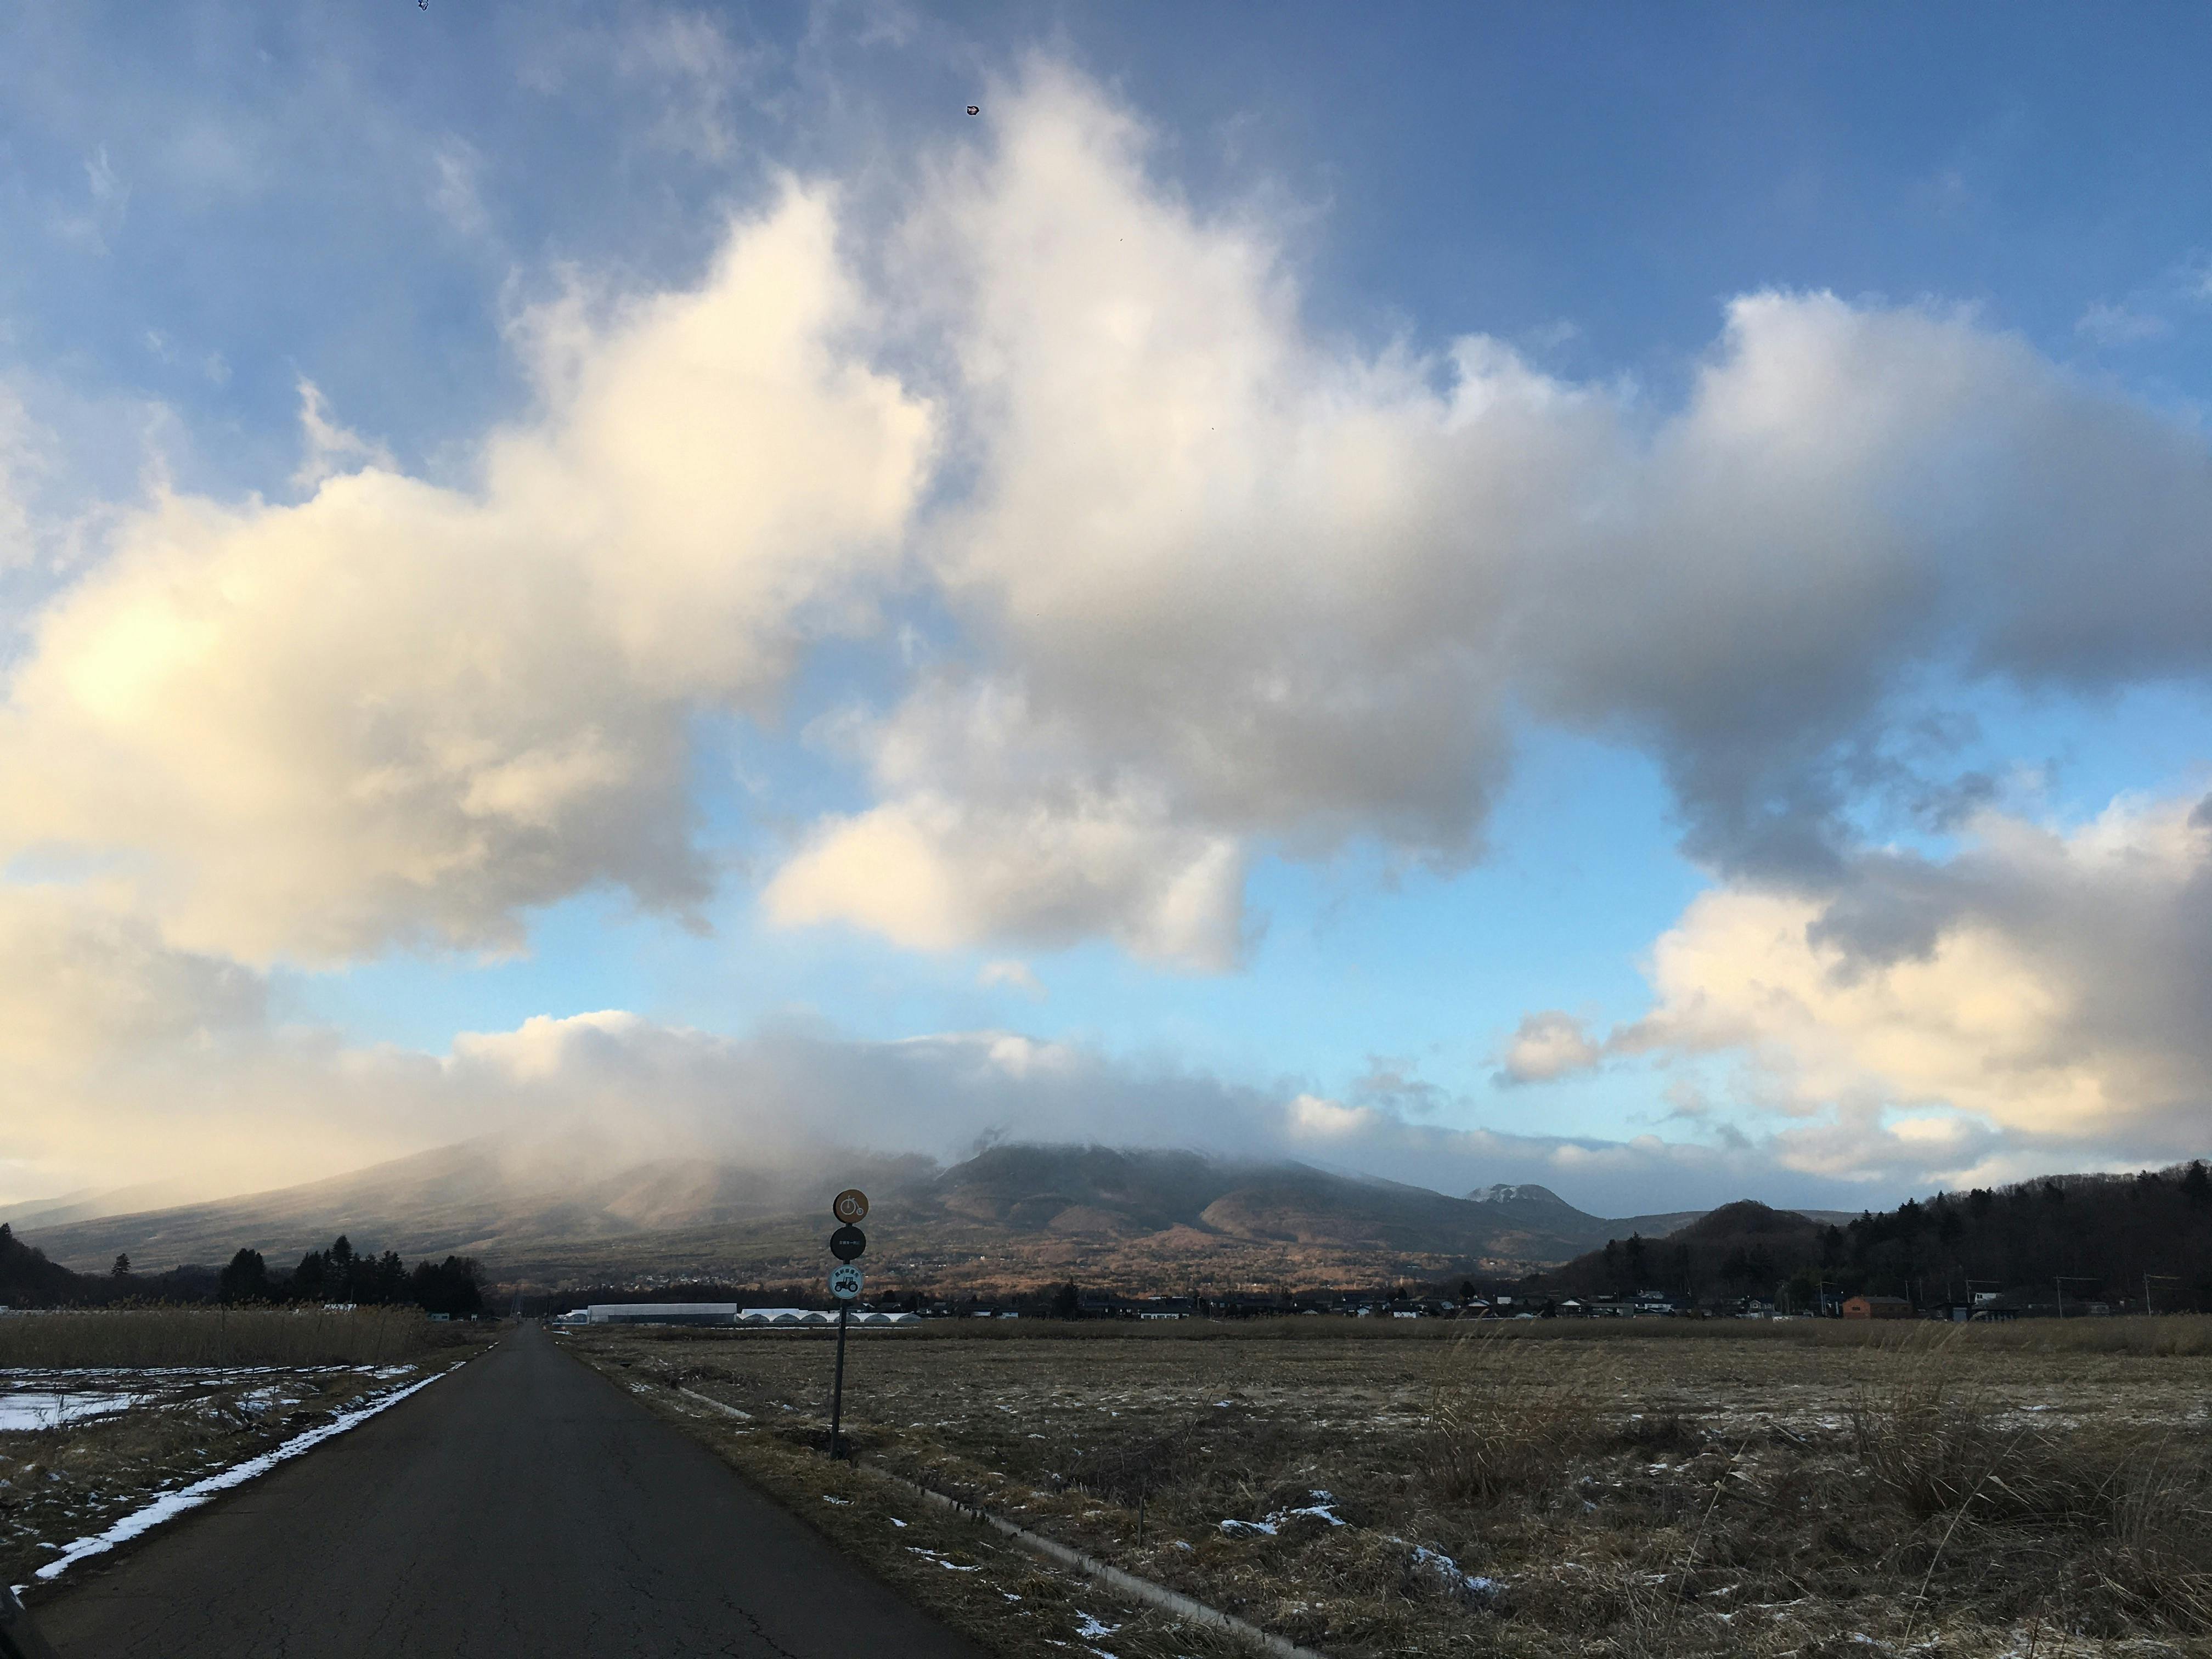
127	1060
1224	575
2042	996
405	711
1206	583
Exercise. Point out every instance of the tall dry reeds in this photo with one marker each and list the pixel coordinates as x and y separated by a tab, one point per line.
135	1337
1503	1417
2124	1510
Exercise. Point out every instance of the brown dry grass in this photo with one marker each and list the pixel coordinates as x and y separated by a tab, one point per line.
132	1338
1776	1490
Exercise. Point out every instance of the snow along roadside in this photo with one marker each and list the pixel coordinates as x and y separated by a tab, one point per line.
171	1504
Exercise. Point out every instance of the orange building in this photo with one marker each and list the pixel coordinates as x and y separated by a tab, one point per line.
1877	1307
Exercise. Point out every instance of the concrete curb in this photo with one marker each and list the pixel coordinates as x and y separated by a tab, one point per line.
727	1411
1126	1584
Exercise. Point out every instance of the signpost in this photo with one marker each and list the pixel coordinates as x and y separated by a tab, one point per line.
847	1243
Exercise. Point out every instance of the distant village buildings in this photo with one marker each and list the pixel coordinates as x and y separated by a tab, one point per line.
716	1313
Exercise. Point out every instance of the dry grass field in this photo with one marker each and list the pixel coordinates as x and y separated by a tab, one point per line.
220	1336
99	1412
1644	1488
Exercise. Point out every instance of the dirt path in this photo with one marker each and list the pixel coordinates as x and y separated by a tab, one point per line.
522	1507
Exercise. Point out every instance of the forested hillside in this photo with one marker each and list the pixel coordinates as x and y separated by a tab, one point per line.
2110	1238
28	1279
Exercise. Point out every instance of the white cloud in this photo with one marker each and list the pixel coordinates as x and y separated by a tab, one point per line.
681	66
694	69
80	976
108	201
456	192
147	1062
1014	973
1547	1045
1214	584
401	711
1290	591
2121	324
331	448
20	461
2036	1000
933	873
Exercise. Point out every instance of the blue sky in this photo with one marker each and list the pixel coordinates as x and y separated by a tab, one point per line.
1674	666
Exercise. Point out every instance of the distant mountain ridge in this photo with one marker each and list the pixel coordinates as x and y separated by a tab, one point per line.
567	1213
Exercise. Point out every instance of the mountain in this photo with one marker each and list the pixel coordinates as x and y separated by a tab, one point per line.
572	1212
1539	1204
479	1198
90	1202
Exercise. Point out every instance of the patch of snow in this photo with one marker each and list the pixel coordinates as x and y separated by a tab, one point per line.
896	1521
1087	1626
932	1555
827	1499
1471	1586
21	1413
1322	1509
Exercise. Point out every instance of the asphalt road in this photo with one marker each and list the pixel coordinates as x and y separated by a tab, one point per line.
523	1506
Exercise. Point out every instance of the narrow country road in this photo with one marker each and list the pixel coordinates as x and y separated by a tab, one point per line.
523	1507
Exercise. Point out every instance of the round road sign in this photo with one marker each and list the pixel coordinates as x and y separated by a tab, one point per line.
847	1244
850	1205
844	1281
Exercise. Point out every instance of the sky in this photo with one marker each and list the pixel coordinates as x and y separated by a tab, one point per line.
1581	595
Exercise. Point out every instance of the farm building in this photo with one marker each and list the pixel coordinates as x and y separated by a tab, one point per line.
661	1313
1877	1307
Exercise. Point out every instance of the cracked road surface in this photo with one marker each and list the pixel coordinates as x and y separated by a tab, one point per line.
523	1506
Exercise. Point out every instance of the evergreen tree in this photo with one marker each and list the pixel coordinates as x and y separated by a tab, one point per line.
308	1277
453	1286
245	1279
28	1280
389	1280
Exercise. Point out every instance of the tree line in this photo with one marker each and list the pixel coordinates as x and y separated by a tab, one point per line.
453	1286
2112	1238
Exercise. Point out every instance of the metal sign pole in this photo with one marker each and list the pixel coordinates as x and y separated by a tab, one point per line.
850	1207
837	1388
